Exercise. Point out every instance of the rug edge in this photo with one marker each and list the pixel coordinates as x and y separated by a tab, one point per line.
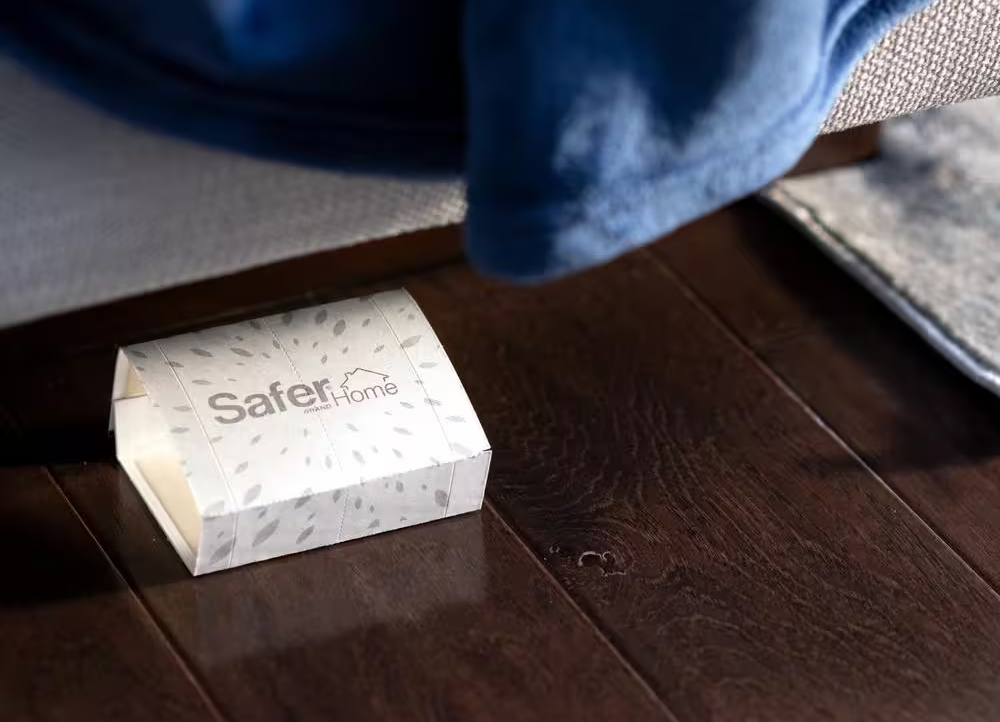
932	329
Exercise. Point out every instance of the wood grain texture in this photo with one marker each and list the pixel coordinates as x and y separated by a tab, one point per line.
744	563
927	430
447	621
74	643
736	553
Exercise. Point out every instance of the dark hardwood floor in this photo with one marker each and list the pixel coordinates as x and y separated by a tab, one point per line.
77	643
922	427
727	485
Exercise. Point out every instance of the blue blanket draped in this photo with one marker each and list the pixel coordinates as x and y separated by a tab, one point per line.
583	128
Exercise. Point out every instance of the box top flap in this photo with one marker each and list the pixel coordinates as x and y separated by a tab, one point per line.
312	400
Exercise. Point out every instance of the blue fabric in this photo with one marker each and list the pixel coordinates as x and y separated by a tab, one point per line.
583	128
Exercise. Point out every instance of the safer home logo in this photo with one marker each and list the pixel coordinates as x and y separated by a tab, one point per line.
358	386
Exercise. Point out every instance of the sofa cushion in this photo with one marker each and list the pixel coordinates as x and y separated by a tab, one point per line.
92	209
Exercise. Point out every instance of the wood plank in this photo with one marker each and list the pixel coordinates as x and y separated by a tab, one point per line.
76	645
927	430
447	621
734	551
835	150
780	284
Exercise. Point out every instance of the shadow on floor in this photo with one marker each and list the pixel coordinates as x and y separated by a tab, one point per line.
47	555
929	414
55	445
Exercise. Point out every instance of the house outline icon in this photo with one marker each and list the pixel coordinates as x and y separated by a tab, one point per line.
360	378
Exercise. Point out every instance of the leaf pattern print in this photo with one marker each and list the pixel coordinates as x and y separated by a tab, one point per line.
265	533
221	554
252	493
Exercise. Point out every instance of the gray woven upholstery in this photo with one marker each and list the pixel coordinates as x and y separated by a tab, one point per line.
93	210
947	53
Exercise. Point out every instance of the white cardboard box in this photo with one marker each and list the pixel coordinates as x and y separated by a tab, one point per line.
296	431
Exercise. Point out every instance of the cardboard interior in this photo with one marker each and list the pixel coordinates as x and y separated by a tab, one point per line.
145	450
290	432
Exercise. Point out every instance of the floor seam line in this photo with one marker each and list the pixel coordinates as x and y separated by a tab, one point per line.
630	667
706	309
181	660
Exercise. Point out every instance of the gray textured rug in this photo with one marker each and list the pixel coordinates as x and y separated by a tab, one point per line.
920	227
